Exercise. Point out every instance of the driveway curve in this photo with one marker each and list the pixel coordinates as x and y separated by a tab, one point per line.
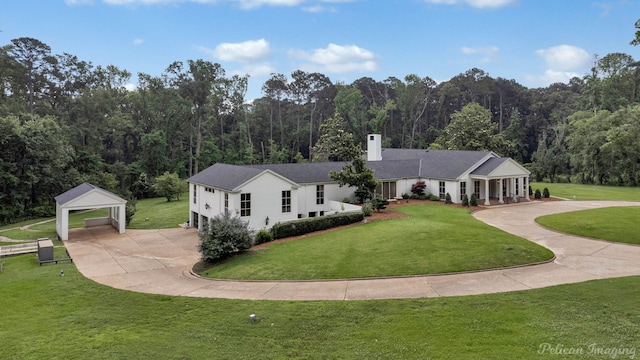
159	262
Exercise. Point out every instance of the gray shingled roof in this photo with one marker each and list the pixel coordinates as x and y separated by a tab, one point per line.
225	176
488	166
80	190
395	164
304	173
449	164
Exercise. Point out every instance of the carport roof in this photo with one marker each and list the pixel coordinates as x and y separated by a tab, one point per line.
80	190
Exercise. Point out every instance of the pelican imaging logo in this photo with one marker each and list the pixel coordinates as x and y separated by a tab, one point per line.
613	352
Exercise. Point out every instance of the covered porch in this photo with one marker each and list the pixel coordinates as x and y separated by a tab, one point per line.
501	180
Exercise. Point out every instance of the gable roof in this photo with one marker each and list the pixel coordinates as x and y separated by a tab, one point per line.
304	173
498	167
81	190
395	164
488	166
439	164
225	176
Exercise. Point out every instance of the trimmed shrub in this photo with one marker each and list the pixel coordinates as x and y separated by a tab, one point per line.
305	226
530	191
405	196
537	194
447	199
379	203
465	200
433	197
367	209
263	236
223	235
474	200
418	188
545	193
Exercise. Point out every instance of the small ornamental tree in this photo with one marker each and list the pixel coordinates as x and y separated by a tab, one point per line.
465	200
545	193
530	191
537	194
474	200
447	199
358	175
169	185
223	236
417	189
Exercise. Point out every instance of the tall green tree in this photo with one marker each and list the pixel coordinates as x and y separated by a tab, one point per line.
335	144
470	129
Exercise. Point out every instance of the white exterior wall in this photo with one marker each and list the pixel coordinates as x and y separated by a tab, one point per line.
332	192
266	201
403	186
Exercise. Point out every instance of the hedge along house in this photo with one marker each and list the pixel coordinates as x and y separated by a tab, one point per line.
266	194
87	197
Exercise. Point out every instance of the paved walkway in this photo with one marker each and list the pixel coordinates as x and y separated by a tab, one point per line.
158	261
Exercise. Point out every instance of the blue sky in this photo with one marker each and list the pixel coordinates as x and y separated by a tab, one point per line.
535	42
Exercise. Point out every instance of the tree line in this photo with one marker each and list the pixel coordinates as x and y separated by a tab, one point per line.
64	120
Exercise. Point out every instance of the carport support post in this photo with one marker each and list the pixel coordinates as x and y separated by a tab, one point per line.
121	218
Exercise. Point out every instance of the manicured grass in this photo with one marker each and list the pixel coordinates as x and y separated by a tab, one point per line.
618	224
158	213
44	315
590	192
434	239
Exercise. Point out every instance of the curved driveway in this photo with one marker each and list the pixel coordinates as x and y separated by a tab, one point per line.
159	262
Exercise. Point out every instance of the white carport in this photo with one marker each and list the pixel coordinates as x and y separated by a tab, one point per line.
85	197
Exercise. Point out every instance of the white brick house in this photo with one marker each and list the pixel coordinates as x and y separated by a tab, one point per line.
266	194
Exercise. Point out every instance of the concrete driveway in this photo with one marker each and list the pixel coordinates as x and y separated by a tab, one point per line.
159	262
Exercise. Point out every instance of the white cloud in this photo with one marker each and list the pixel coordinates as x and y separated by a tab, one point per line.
318	9
480	4
251	4
244	52
339	59
482	50
564	62
564	57
78	2
551	77
130	87
487	53
243	4
256	70
138	41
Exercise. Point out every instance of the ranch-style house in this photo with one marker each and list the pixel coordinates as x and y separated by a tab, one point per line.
266	194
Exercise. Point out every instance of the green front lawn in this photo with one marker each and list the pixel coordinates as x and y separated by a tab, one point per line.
590	192
618	224
158	213
44	315
434	239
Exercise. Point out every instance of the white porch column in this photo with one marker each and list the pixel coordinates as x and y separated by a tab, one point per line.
526	187
500	198
512	187
486	192
122	218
